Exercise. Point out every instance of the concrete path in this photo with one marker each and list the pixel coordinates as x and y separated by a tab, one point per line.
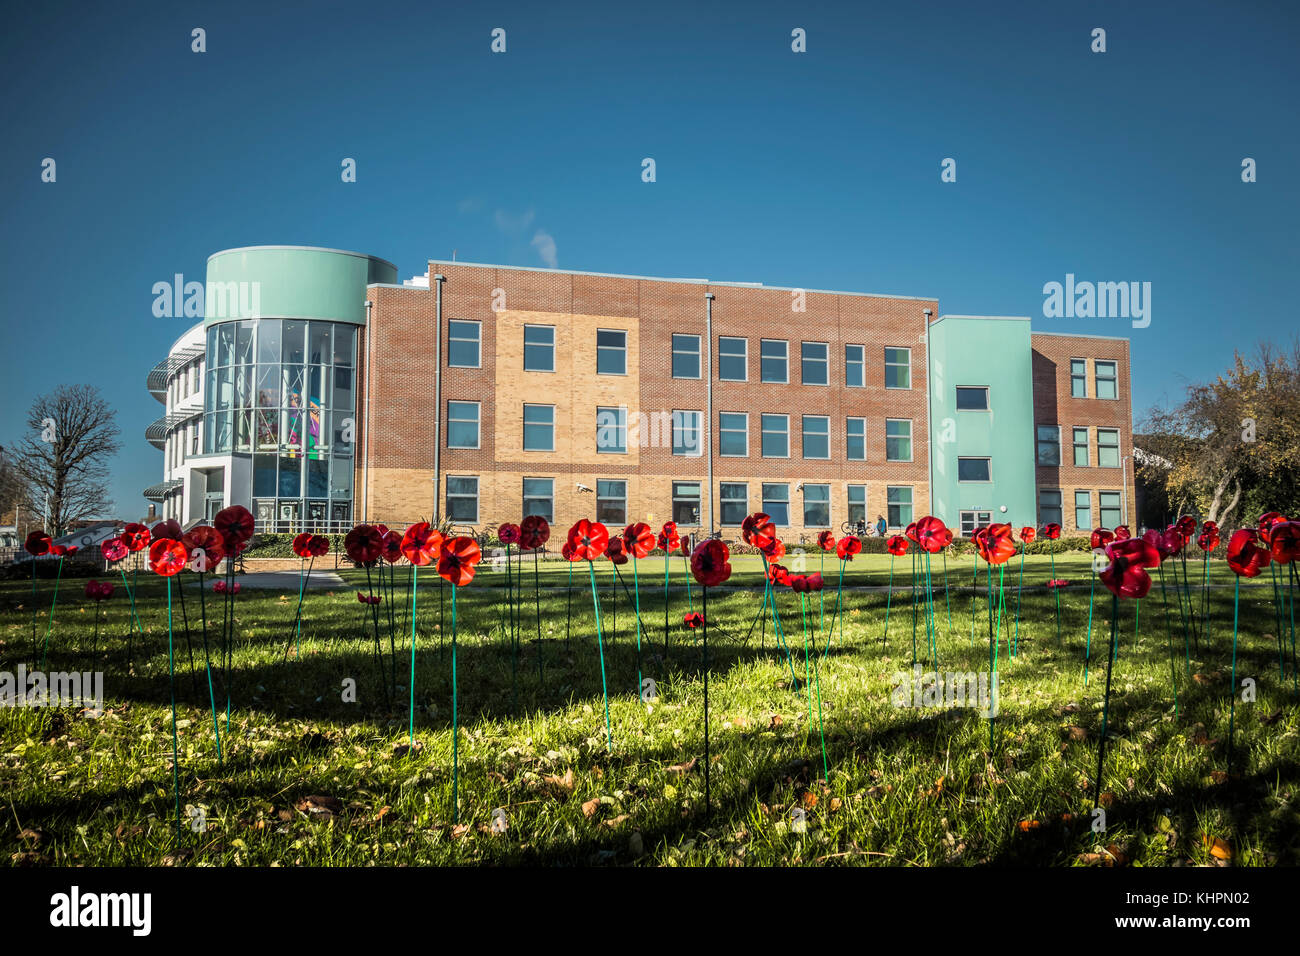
287	580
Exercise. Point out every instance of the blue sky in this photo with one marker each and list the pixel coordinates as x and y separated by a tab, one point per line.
819	170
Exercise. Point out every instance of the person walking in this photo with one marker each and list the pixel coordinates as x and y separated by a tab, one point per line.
881	527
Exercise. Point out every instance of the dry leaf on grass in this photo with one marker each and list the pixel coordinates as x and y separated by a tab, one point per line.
686	767
590	807
1219	849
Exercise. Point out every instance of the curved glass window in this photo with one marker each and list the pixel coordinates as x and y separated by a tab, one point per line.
283	391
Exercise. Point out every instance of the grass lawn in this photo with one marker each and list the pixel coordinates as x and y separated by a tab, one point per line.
309	778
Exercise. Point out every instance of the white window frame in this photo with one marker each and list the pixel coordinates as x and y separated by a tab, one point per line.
744	356
525	425
764	431
675	351
785	343
478	423
825	361
849	436
1119	460
478	342
543	371
861	362
911	452
678	416
803	437
447	496
887	364
731	431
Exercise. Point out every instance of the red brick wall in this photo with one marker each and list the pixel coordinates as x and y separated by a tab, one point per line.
1053	405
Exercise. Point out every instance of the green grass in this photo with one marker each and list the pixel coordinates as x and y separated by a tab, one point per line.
907	786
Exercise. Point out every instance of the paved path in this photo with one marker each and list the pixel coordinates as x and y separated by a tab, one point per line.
288	580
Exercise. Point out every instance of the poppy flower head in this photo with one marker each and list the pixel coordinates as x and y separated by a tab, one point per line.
204	545
638	539
318	546
534	532
668	538
798	583
1027	535
710	562
1102	537
59	550
778	574
753	523
457	559
588	540
995	543
364	598
392	547
1122	532
1284	542
364	544
167	557
773	548
815	581
1186	525
300	543
37	543
113	549
98	590
1176	537
615	551
826	540
693	620
1051	531
509	533
910	532
169	529
566	551
847	547
1165	542
896	545
421	544
1266	522
930	534
1245	556
1208	539
236	525
1126	575
135	536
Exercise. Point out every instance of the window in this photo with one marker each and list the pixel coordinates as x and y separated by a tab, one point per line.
774	361
734	501
855	366
611	431
539	498
539	348
972	520
1049	445
733	434
816	436
898	504
776	503
775	436
462	499
686	502
463	343
898	439
462	424
1049	506
1109	507
817	506
855	439
1107	380
686	433
686	356
1083	510
611	352
1079	443
733	359
1107	448
194	437
539	428
898	368
971	398
611	501
1078	378
974	469
816	363
857	503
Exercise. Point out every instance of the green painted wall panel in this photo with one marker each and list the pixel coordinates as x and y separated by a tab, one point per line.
292	283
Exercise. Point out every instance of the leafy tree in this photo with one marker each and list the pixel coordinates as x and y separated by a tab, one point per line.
1232	445
63	458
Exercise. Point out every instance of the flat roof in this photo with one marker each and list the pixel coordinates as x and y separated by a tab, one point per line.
712	282
1086	335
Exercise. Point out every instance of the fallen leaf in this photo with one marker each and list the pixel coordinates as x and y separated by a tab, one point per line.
1219	849
685	767
590	807
1076	733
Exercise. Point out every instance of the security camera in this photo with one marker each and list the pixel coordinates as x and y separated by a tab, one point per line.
799	487
582	487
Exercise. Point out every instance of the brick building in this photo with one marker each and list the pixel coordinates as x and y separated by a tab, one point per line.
482	393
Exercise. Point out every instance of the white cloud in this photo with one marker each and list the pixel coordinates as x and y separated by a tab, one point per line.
544	243
512	225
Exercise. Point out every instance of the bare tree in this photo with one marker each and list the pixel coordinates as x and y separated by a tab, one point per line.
63	459
11	485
